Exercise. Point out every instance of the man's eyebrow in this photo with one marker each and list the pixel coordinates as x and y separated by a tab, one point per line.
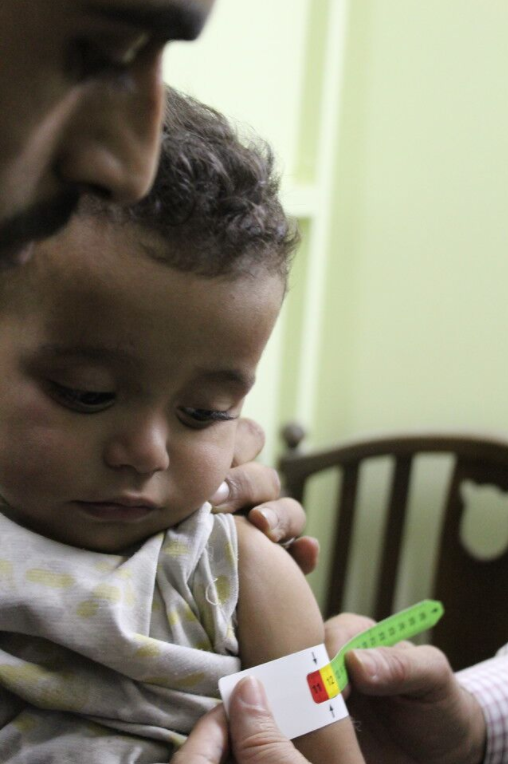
180	20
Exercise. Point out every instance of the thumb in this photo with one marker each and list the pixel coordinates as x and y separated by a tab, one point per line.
254	734
402	670
208	741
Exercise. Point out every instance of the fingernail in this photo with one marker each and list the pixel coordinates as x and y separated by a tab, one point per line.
251	693
271	518
368	659
221	495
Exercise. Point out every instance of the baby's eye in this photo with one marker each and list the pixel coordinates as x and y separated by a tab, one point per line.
83	401
200	418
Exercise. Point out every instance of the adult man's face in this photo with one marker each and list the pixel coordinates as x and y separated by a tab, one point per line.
80	105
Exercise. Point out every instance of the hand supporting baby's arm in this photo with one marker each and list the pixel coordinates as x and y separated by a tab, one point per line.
252	484
278	615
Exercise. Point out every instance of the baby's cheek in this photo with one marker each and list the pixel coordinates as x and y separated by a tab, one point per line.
34	457
207	467
22	468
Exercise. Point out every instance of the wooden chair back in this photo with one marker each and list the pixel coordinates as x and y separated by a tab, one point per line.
474	591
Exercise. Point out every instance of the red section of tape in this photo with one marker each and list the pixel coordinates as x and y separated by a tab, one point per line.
317	687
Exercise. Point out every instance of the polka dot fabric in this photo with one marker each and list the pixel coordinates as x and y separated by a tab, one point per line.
124	653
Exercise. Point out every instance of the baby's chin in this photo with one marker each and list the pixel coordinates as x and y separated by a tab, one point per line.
101	528
107	541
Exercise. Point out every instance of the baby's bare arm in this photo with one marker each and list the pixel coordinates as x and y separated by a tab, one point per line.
278	615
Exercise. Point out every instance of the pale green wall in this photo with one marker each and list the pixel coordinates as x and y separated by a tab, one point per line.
418	282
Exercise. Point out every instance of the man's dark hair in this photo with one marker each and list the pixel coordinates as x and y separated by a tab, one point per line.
215	198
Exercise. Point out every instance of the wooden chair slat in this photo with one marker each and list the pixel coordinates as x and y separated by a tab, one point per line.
473	590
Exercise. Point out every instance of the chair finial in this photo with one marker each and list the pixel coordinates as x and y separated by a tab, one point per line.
293	434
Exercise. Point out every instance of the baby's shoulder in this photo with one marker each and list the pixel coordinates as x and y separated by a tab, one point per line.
255	549
277	612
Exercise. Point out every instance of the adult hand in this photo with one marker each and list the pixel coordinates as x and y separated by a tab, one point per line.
208	741
250	484
255	738
406	702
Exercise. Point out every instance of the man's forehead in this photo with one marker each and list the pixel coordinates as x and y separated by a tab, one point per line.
171	19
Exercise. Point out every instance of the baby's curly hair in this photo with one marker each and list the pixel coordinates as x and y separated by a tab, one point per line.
215	199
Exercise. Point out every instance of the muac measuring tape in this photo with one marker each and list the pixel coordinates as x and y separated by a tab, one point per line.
303	697
332	679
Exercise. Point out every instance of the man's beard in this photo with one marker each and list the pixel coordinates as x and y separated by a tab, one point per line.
38	222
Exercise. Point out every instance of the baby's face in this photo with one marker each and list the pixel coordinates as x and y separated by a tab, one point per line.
122	381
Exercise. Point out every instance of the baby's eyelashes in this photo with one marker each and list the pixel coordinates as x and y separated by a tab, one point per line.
83	401
199	418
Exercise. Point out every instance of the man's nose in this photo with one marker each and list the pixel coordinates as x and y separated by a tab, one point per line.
140	446
112	142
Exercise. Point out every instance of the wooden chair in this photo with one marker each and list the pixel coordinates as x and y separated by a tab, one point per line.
474	592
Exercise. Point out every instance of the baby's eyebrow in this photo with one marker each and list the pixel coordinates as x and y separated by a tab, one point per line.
100	353
89	352
237	377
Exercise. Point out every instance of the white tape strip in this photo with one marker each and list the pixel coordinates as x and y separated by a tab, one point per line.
289	694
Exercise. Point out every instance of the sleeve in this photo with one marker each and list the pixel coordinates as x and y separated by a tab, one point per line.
488	682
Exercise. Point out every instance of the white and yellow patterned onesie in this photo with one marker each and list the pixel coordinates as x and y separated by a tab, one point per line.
107	659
